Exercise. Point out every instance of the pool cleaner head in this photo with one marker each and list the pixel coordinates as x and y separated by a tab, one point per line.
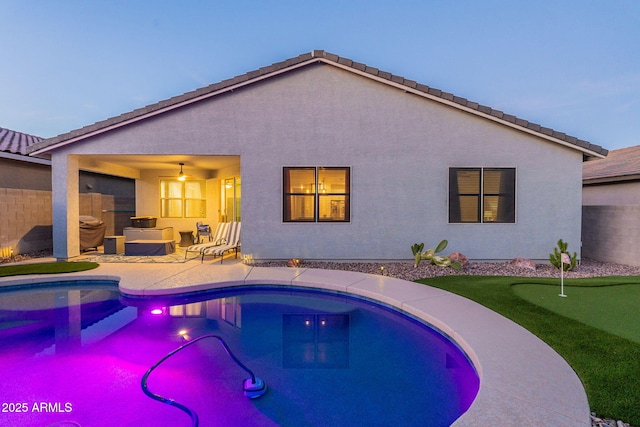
254	387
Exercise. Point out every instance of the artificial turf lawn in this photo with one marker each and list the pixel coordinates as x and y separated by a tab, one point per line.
45	268
613	308
608	365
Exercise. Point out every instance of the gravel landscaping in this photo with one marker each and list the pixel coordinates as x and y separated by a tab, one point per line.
406	271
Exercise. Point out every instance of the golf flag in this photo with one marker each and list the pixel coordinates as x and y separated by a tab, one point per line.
564	259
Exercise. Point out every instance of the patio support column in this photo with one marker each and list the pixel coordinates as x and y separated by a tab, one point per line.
66	208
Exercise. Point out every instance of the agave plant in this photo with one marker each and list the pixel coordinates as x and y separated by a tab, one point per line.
430	254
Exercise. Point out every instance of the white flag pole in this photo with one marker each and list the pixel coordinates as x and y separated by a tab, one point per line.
563	258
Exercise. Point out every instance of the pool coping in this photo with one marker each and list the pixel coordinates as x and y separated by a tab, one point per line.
523	381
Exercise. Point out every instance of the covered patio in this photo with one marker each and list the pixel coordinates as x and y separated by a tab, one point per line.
208	191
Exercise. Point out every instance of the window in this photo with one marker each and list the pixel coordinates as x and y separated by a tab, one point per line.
482	195
183	199
316	194
230	197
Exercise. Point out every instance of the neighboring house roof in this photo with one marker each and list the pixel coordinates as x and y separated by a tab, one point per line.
620	165
16	142
320	56
14	145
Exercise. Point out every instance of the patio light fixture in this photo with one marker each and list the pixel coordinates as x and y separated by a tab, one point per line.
181	175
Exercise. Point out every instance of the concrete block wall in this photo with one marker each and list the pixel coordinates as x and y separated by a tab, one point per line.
611	233
25	220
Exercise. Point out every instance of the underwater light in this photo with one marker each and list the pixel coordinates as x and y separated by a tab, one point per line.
157	311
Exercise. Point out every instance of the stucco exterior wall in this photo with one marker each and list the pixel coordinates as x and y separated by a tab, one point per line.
611	234
615	194
24	175
399	147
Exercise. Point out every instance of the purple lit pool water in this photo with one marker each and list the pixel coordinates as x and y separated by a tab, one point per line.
75	356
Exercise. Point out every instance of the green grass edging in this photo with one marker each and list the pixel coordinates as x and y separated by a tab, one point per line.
608	365
46	268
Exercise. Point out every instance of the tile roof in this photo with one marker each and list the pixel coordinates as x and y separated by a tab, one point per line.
620	165
16	142
332	59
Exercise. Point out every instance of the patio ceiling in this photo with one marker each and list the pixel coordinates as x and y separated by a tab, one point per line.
131	165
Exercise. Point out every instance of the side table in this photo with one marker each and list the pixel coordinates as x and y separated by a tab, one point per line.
186	238
114	245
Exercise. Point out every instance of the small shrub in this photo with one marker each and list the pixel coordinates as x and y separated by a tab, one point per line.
556	257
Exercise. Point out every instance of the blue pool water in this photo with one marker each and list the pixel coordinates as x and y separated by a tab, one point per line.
75	356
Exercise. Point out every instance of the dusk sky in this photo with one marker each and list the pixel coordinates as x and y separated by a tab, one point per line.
573	66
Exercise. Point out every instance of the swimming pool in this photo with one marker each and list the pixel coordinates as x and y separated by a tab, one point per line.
77	354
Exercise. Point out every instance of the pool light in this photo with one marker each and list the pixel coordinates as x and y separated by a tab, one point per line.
157	311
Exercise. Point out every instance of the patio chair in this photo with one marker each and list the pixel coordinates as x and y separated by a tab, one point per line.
219	238
233	243
202	231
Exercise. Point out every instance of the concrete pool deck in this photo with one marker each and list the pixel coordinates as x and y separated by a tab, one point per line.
523	381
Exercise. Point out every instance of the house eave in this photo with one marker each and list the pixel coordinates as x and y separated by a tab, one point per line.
23	158
611	179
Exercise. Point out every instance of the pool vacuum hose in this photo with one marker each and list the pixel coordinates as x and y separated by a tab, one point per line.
253	387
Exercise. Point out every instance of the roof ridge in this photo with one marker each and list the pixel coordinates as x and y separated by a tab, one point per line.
326	57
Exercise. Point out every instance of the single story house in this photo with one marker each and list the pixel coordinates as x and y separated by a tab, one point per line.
322	157
611	207
26	202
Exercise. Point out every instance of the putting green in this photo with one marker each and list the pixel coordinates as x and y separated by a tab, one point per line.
614	309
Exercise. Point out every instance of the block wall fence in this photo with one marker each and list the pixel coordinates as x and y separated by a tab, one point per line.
611	233
26	218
